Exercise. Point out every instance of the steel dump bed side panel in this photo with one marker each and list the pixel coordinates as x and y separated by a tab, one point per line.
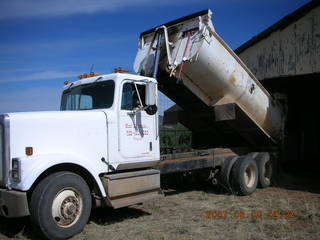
195	57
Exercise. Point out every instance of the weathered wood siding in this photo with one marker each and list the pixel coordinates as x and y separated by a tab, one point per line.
293	50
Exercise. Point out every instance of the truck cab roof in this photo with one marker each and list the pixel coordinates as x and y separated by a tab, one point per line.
104	77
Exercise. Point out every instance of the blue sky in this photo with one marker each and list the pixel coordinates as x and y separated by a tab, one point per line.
45	42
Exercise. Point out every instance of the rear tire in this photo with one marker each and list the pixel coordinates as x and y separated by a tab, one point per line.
60	205
264	164
244	176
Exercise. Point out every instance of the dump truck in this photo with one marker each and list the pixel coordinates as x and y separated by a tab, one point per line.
102	149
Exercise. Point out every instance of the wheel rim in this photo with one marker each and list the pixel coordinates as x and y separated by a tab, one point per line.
250	175
67	207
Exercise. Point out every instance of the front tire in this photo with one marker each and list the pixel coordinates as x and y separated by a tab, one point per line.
244	176
60	205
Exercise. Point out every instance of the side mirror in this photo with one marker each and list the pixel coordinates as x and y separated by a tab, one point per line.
151	98
151	109
151	95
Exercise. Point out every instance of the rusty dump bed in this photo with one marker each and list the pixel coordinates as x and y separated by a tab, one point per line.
218	97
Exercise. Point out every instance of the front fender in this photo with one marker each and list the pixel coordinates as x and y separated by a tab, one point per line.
33	166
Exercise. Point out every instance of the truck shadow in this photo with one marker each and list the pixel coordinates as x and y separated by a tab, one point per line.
173	190
106	216
172	184
17	228
20	228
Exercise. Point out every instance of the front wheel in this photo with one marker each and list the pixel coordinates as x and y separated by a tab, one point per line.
60	205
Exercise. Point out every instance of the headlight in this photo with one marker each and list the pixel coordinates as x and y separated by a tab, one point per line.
16	170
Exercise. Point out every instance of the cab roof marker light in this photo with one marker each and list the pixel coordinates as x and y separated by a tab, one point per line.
87	75
121	70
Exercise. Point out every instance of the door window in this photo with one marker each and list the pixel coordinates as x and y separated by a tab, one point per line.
130	99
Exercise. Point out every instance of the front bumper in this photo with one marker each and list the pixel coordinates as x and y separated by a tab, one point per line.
13	203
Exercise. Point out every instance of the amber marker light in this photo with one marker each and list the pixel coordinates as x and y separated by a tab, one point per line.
121	70
29	151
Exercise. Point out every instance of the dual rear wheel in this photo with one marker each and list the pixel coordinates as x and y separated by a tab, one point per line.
247	173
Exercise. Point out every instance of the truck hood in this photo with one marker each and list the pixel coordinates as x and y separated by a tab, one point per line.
74	132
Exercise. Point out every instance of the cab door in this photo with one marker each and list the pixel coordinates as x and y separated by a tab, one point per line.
136	127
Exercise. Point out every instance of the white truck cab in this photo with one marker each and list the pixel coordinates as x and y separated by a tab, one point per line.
131	129
107	124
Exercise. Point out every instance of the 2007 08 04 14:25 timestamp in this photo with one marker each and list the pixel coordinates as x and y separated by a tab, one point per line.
253	214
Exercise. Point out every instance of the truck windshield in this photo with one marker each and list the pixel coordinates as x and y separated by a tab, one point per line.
91	96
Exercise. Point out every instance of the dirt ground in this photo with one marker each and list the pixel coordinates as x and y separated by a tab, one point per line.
201	212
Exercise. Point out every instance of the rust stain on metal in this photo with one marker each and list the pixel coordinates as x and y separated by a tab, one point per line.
232	80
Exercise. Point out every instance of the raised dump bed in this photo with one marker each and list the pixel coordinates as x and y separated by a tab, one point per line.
220	99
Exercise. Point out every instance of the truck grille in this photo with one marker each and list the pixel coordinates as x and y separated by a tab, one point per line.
1	151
